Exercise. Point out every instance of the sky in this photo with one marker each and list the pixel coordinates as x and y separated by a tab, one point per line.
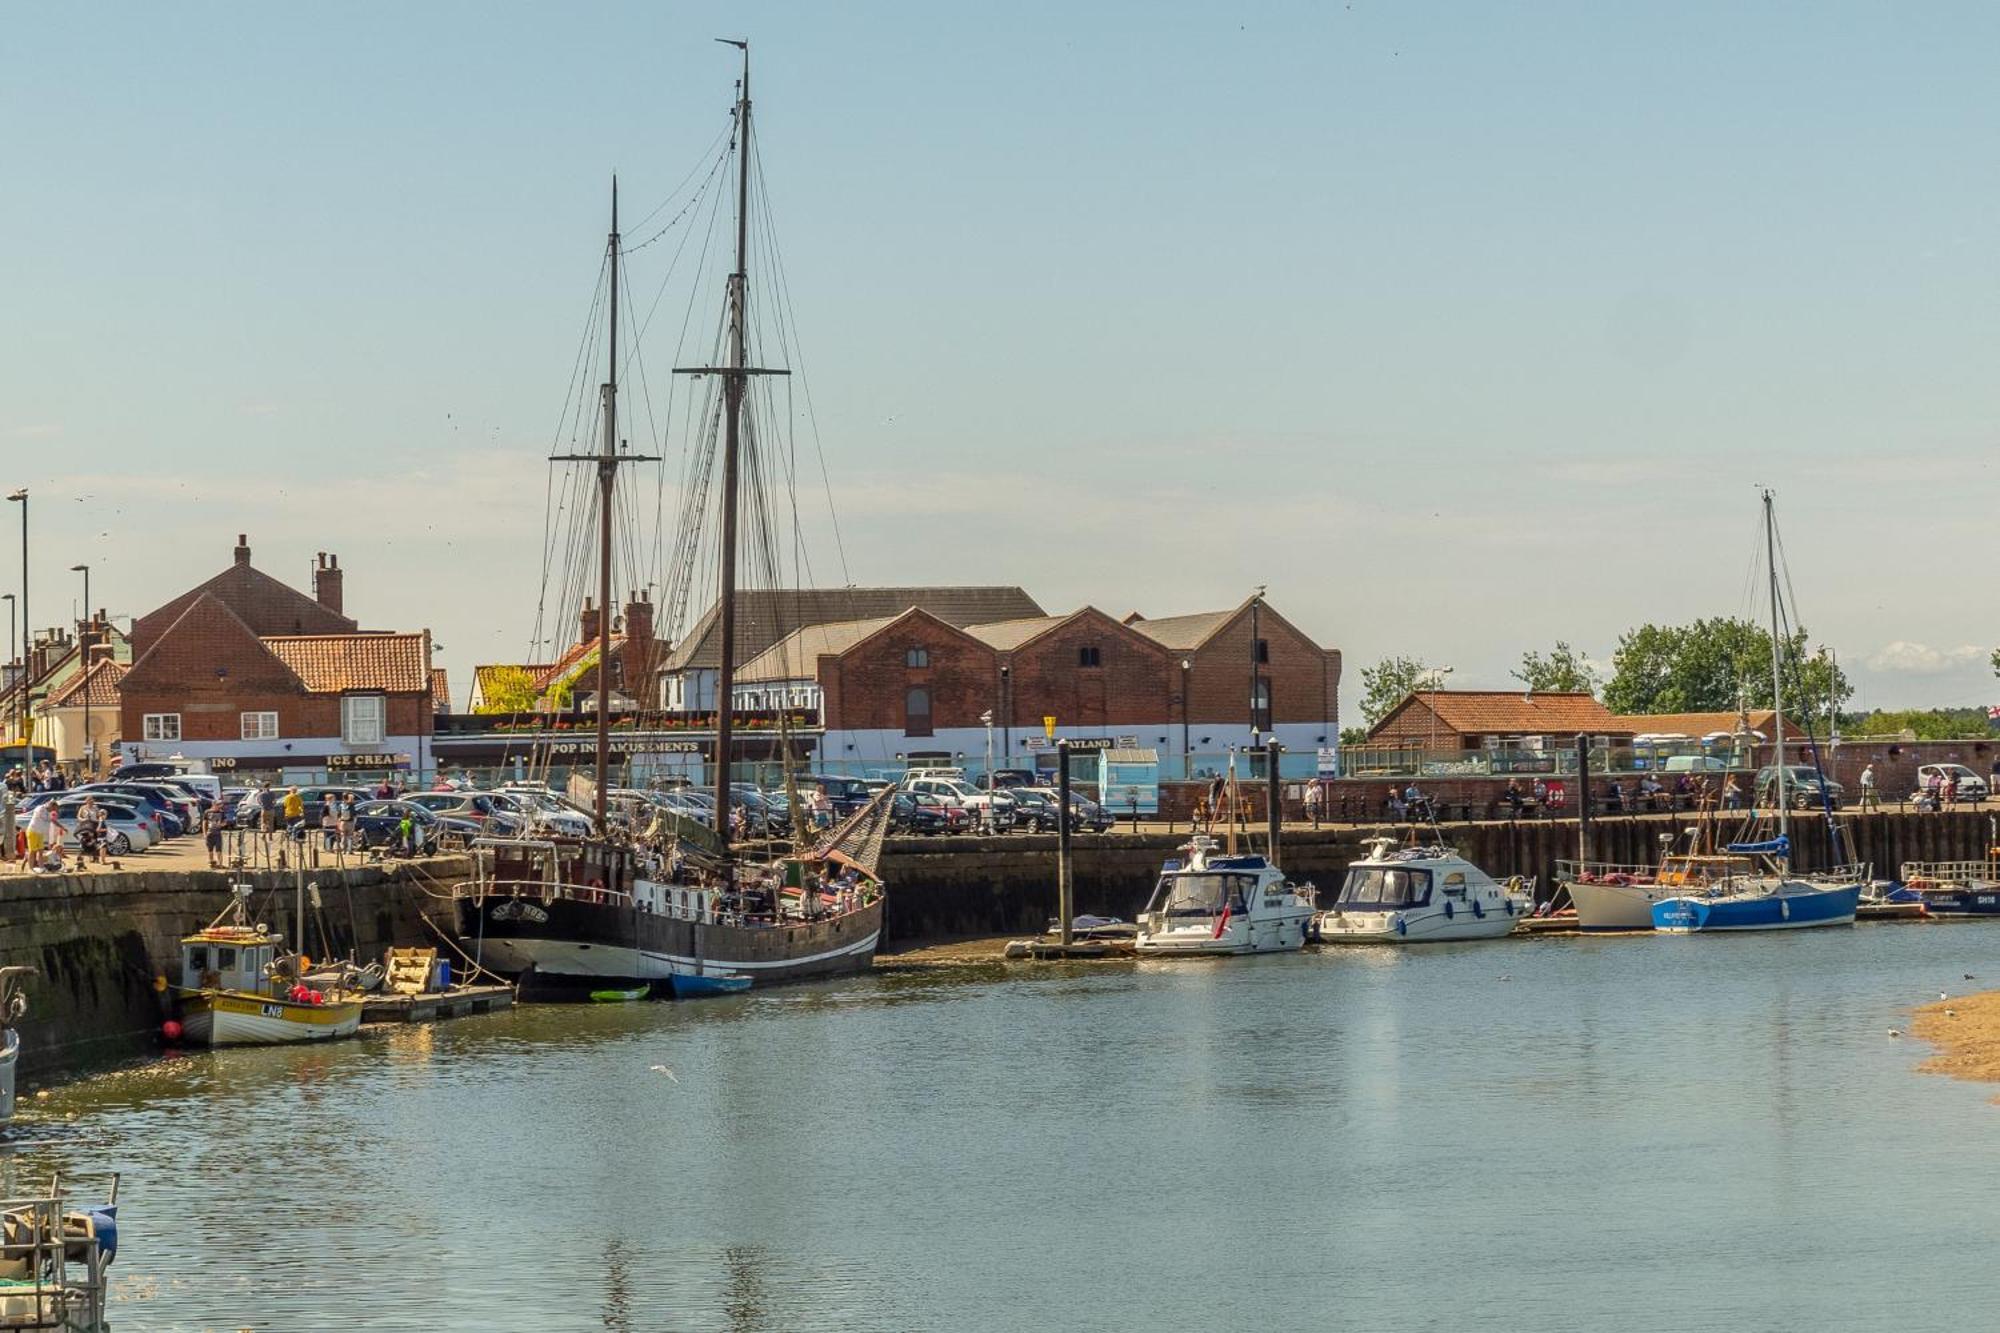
1463	328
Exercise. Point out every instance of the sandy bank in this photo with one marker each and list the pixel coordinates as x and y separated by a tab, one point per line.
1966	1031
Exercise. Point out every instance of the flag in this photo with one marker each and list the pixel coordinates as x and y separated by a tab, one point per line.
1222	922
1993	712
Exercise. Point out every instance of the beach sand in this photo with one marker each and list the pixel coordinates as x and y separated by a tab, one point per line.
1966	1031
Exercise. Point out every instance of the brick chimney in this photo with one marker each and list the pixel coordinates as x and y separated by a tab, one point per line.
639	618
326	582
637	660
587	623
242	548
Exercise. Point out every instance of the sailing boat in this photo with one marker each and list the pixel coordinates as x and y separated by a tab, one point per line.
1779	900
614	914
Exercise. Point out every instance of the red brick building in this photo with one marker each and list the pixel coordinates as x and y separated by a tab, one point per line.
253	676
636	654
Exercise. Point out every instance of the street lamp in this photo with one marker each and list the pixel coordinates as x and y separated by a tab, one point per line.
991	786
20	497
1187	749
1256	668
1437	675
83	656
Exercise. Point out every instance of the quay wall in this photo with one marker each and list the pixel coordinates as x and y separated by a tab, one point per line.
942	888
98	940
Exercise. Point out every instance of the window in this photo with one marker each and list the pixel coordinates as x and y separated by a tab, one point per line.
361	719
1263	650
163	726
917	712
917	657
1260	704
259	726
1087	657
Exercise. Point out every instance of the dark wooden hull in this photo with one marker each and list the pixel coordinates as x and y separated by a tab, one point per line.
568	946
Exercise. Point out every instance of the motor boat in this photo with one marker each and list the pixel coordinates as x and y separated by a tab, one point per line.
1213	903
1417	895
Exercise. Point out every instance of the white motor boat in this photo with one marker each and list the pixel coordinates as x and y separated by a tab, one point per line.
1412	895
1218	903
13	1004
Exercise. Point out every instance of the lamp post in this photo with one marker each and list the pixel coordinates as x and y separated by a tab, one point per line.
11	601
1437	675
1187	747
20	497
83	657
1006	710
992	788
1256	669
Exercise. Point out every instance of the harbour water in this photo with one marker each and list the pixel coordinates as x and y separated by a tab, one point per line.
1633	1133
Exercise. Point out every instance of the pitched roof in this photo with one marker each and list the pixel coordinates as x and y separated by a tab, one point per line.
1512	712
335	663
572	655
766	615
1007	635
97	687
1693	724
1183	633
200	638
440	687
265	604
796	656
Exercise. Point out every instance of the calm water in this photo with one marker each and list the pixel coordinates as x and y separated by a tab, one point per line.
1684	1134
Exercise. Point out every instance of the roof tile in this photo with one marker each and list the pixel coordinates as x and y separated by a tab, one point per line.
336	663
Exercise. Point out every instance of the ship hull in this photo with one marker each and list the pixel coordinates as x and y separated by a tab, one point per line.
566	946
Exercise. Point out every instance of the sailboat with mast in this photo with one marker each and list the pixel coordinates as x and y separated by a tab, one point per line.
619	914
1777	899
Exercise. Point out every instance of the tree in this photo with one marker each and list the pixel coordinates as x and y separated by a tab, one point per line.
507	689
1996	661
1701	668
1925	724
1388	683
1562	671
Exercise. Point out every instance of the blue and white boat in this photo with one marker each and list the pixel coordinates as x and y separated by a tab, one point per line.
1777	899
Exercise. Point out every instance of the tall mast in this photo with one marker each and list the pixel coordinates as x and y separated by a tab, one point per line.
607	480
608	460
725	676
736	371
1777	680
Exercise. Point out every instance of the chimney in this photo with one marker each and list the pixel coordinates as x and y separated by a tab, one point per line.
639	618
326	582
636	661
243	548
587	626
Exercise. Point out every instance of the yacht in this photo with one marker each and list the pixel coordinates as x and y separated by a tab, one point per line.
1215	902
1413	895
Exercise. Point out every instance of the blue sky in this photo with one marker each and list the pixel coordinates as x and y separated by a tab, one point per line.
1463	327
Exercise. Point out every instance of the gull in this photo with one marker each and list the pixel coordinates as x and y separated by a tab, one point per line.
1943	996
1951	1013
662	1069
1968	976
1894	1033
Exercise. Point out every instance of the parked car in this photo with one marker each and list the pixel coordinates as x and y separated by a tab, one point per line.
476	809
1803	786
845	795
1006	779
544	811
1089	814
994	810
1036	810
128	826
1971	787
921	812
379	824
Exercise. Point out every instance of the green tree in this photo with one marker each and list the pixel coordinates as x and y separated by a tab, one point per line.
1926	724
507	689
1388	683
1561	671
1700	668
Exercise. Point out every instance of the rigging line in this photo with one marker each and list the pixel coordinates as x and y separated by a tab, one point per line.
569	394
783	290
706	154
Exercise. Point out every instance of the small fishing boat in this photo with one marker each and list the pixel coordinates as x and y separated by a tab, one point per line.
55	1259
1421	895
623	995
237	990
1957	888
695	985
1217	903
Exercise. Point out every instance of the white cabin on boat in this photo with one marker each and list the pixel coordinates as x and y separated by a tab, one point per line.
1415	894
227	958
1221	904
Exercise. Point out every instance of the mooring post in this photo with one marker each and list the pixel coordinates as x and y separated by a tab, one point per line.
1064	888
1276	813
1582	798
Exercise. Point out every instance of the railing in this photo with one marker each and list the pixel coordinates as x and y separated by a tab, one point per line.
1948	872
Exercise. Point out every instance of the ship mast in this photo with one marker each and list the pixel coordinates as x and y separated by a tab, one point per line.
736	372
608	460
1777	685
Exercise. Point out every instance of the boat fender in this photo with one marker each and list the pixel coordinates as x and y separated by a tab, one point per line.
1402	926
1477	910
1784	910
1447	909
1508	903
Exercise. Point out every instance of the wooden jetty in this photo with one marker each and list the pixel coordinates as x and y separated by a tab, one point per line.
424	1006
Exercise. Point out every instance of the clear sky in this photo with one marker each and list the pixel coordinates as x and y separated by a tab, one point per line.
1464	327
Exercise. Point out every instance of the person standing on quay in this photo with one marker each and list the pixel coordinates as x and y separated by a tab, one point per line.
213	821
1868	801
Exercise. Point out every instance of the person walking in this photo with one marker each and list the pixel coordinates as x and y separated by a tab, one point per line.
346	824
267	809
1312	801
1868	801
43	829
1732	795
213	822
329	821
295	811
90	831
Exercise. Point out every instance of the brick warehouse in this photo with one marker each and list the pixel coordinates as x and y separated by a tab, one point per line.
914	687
254	676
